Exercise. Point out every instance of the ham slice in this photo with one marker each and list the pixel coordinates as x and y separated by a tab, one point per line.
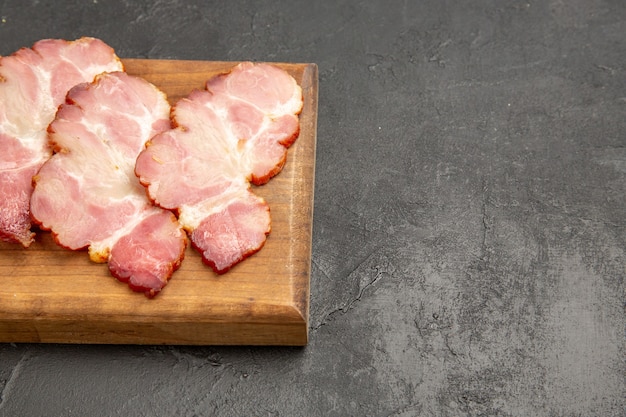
87	193
235	132
33	83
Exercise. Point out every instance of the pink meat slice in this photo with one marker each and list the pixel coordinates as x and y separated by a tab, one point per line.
235	132
87	193
33	83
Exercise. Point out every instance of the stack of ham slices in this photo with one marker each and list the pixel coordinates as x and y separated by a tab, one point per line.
100	159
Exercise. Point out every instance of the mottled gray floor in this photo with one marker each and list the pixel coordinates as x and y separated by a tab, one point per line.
470	213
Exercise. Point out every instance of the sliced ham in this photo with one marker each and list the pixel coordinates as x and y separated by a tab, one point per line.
87	193
235	132
33	83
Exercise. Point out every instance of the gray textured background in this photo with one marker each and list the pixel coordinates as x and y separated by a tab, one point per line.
470	213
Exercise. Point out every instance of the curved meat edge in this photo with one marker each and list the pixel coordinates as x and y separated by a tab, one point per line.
235	132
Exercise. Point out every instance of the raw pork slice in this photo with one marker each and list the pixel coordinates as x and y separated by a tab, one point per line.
33	83
235	132
87	193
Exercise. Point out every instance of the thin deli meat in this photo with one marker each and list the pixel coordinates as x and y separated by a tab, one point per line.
233	133
87	193
33	83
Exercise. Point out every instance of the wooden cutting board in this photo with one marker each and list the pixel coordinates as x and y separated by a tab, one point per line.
49	294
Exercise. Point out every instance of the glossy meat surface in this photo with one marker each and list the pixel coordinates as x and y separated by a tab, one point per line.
234	133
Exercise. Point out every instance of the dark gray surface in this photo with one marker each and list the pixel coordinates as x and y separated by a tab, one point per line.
470	222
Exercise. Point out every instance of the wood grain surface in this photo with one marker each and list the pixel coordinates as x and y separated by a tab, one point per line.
49	294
